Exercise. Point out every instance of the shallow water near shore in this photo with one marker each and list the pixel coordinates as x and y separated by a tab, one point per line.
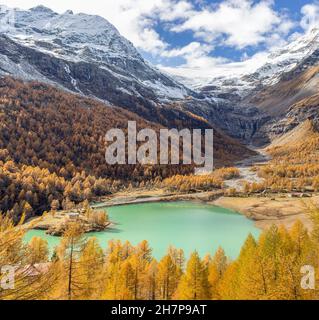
186	225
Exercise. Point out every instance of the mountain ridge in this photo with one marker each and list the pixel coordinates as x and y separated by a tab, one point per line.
82	38
87	55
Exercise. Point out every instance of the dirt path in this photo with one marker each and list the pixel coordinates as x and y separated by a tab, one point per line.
246	174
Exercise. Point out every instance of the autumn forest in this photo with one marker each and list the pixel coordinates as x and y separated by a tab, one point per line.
52	158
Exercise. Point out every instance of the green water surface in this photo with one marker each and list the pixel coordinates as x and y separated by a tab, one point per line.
186	225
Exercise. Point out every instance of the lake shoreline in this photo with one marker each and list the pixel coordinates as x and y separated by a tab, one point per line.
185	225
263	210
120	200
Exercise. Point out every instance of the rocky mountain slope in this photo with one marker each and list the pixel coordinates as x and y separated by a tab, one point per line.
291	101
269	99
84	54
277	63
47	127
249	105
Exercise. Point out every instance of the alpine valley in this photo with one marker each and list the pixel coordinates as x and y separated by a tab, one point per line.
65	80
88	67
86	55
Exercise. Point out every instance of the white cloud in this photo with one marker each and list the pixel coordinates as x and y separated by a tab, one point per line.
310	17
204	68
232	23
175	10
198	62
239	23
194	48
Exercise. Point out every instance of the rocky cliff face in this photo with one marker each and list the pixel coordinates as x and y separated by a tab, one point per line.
87	55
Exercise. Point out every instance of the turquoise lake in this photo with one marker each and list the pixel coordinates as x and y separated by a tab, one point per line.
186	225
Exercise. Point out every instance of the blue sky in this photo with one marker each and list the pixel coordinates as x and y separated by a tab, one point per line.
187	37
292	9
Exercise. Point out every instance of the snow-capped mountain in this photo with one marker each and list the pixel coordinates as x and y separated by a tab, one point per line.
287	58
276	64
87	55
82	53
264	96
